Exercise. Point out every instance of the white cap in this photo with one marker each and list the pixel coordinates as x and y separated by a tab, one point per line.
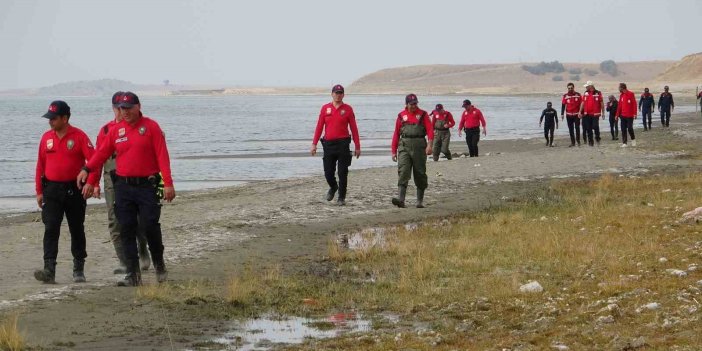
589	83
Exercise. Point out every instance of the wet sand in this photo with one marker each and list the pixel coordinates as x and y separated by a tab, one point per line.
213	234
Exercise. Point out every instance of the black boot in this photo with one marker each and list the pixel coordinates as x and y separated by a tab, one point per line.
399	201
420	198
48	274
161	272
78	267
133	277
331	192
341	200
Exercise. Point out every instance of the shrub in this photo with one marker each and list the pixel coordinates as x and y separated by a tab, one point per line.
609	67
575	77
575	71
557	78
545	67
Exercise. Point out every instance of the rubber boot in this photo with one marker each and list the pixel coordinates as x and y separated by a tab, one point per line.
420	198
48	274
78	267
399	201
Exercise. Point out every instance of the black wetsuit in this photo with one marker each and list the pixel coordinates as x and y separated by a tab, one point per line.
551	116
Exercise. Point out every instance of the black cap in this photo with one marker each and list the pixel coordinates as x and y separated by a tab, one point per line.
466	102
58	108
115	98
128	99
411	99
338	89
439	107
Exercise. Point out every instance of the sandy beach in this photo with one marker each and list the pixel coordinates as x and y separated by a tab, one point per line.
212	234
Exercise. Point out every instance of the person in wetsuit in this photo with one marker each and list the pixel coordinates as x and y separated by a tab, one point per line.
551	117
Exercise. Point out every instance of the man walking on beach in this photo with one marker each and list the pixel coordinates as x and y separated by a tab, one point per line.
591	109
109	192
142	161
646	105
551	116
335	119
626	112
570	104
613	125
442	121
410	149
666	105
63	150
471	120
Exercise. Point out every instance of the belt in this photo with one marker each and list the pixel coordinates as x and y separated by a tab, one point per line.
412	137
138	180
68	183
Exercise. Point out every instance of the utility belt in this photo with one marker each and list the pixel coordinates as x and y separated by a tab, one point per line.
69	187
153	180
66	185
473	129
336	142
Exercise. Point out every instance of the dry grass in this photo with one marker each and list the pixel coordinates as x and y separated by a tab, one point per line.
10	337
585	242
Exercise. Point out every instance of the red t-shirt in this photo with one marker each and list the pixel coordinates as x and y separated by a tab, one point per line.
141	150
443	116
571	102
60	159
407	117
592	103
627	105
471	118
336	123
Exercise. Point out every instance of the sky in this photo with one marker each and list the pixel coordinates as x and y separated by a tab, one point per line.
320	43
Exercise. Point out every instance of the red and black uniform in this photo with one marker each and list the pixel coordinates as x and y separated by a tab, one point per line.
336	122
570	107
141	154
647	104
592	111
443	122
626	112
58	164
471	120
665	106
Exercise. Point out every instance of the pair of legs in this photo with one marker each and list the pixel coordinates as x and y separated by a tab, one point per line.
442	138
665	117
337	154
573	129
646	119
472	139
613	127
411	162
627	125
62	198
549	128
591	126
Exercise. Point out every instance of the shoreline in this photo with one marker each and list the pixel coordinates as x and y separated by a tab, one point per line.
211	234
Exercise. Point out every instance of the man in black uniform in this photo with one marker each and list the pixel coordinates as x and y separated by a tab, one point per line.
551	116
646	105
666	105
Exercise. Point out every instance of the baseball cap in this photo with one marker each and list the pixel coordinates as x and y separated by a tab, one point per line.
466	102
127	100
57	108
338	89
115	98
411	99
439	107
588	83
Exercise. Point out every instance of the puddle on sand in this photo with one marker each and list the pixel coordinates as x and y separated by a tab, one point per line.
265	333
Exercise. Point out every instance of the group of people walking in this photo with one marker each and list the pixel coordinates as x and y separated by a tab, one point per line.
131	149
588	108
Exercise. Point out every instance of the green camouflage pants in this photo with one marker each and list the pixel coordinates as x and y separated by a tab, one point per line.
412	160
442	138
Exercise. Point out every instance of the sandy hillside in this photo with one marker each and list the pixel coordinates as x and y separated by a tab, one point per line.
687	70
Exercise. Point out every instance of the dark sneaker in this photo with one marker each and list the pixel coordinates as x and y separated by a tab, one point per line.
398	203
331	193
341	202
130	280
78	277
45	276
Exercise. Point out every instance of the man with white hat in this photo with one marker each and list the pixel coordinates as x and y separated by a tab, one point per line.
591	109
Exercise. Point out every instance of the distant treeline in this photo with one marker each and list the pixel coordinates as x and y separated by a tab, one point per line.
608	67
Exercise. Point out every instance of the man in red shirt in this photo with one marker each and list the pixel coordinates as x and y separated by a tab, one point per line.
471	120
142	161
109	192
442	121
335	119
63	150
626	112
570	103
591	109
410	149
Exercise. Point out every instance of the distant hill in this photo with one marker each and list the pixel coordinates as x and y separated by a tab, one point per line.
509	78
88	88
688	70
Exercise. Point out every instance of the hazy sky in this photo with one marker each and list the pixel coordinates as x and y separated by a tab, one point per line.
318	43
